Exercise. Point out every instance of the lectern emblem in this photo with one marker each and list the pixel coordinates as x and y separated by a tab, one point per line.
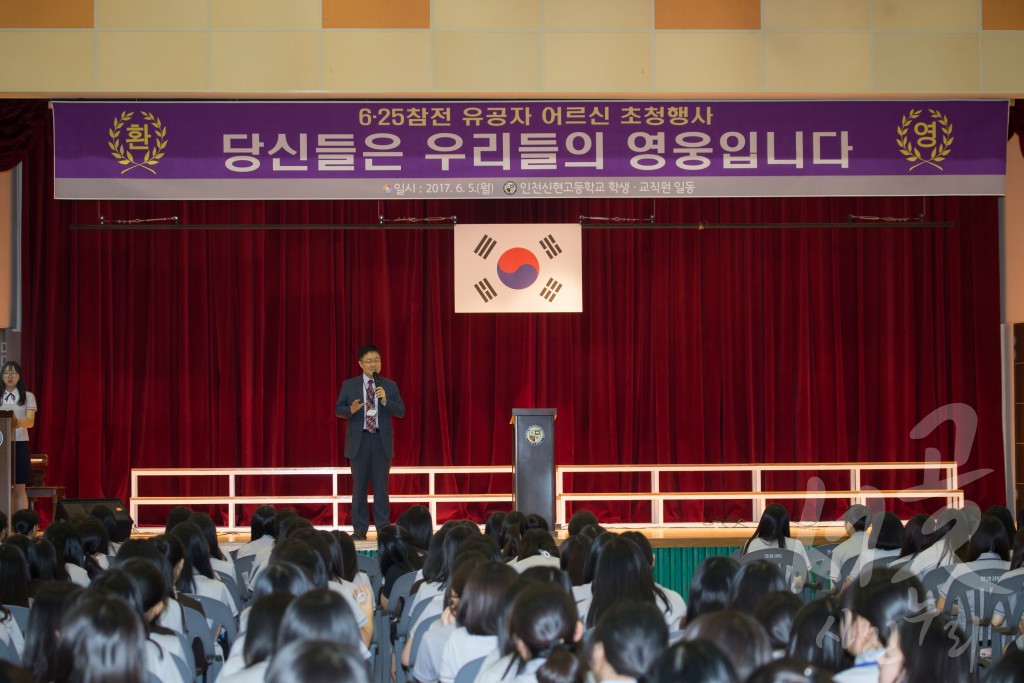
535	435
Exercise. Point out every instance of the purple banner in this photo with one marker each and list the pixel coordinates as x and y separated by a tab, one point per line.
526	149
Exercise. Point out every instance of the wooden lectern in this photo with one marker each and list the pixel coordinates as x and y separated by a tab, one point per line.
534	450
7	437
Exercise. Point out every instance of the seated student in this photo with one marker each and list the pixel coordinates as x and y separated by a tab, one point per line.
944	533
176	516
95	544
543	630
697	661
420	525
261	531
116	533
397	555
815	636
260	640
492	525
320	614
989	548
776	611
711	586
537	547
580	520
15	580
626	642
753	581
52	600
262	556
101	639
151	582
572	557
621	573
773	532
219	561
197	576
478	616
872	612
25	522
856	520
317	661
674	608
884	542
926	647
68	546
738	634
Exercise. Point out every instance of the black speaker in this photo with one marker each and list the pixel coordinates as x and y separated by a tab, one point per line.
69	507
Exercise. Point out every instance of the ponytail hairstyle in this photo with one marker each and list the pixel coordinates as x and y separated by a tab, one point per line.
545	625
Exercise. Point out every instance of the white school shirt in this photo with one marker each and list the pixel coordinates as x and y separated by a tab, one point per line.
10	402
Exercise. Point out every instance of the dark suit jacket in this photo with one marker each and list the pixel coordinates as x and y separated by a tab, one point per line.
352	389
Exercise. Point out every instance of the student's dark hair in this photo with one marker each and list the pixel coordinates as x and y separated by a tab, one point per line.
173	551
492	526
573	555
23	521
737	633
536	521
1009	669
1017	557
94	541
643	543
264	624
319	614
857	516
156	552
289	525
788	670
349	559
596	546
280	518
931	646
580	519
52	599
511	531
464	565
622	574
698	661
20	386
197	555
118	583
544	620
545	573
15	576
209	529
537	542
317	661
483	598
42	562
452	542
150	581
66	543
333	545
711	585
776	611
420	525
886	532
312	539
633	636
483	544
1003	514
115	532
886	600
772	528
395	547
101	641
305	556
989	537
914	537
815	636
752	581
282	577
176	516
262	522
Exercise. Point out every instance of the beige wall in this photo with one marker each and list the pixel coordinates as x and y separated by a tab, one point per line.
429	47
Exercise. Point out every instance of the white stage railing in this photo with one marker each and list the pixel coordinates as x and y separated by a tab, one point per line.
941	484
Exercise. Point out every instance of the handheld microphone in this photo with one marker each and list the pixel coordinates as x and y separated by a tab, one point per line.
376	379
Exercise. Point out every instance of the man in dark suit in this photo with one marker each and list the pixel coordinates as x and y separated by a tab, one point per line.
368	402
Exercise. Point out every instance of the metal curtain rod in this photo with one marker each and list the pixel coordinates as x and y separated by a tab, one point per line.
586	226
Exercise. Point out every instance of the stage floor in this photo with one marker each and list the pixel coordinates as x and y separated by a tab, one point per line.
696	536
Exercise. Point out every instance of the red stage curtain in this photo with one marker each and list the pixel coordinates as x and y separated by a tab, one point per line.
153	348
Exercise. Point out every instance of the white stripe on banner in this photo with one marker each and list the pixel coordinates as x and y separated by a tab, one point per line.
516	268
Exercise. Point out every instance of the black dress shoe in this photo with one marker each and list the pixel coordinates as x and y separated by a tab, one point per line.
359	535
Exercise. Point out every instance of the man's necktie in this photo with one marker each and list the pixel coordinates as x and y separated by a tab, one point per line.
371	404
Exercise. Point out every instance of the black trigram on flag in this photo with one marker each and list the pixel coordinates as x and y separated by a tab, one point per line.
550	246
483	250
485	290
551	289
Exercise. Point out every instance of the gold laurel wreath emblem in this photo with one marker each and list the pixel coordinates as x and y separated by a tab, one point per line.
916	156
124	156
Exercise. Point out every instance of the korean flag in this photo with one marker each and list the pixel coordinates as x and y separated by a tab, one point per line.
517	268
